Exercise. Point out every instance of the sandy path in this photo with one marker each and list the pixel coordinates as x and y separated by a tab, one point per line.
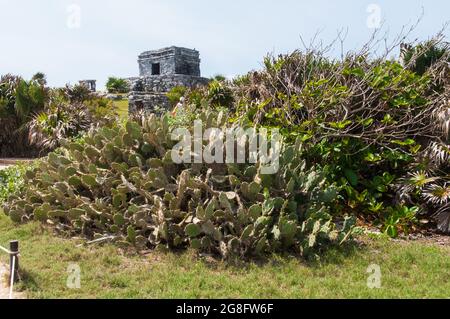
4	290
4	285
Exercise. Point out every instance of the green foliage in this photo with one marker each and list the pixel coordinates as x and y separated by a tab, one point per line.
175	94
366	123
399	218
76	93
419	58
427	185
122	182
8	84
30	98
219	94
117	85
219	78
34	118
66	118
12	181
18	101
40	78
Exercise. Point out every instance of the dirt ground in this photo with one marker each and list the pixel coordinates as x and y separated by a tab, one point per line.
4	285
431	238
4	289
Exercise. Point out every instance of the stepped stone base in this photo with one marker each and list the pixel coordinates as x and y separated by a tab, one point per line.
160	71
151	101
149	92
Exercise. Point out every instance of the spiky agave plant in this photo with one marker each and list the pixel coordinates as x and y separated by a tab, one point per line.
46	129
413	184
438	197
429	187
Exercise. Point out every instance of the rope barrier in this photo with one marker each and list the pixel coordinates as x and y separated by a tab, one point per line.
5	250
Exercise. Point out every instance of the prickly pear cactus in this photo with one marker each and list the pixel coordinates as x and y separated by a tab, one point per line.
121	183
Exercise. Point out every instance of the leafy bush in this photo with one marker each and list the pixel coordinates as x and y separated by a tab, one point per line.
175	94
365	122
19	100
11	181
30	97
117	85
77	93
68	118
419	58
35	118
121	182
40	78
219	78
427	185
219	94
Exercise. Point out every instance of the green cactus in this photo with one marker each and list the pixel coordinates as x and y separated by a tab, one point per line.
122	181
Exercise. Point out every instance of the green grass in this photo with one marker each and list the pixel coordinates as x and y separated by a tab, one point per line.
122	108
409	270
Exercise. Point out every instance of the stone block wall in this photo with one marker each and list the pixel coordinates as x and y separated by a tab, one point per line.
150	92
172	60
147	101
160	71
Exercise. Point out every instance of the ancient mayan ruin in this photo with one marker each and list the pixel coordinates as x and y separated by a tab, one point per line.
159	72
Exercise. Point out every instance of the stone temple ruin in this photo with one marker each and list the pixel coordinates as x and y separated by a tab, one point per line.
91	85
160	71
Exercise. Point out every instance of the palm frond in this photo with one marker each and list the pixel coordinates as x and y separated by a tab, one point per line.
442	217
439	153
437	194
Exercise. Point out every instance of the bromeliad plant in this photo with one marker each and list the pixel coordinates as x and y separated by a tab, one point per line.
121	183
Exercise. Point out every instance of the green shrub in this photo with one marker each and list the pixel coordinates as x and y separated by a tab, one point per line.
399	219
40	78
19	99
419	58
64	119
117	85
219	78
175	94
11	181
219	94
30	98
76	93
366	123
121	182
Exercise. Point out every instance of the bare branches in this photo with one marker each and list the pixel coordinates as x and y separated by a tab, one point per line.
377	101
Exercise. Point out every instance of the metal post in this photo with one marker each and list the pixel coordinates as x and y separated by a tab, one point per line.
14	249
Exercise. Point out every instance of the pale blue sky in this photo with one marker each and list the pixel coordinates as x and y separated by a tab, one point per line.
232	36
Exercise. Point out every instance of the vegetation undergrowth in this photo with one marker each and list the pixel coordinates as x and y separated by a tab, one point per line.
364	139
408	269
34	117
376	127
121	184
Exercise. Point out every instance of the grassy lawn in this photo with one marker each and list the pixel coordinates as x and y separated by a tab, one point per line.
122	107
409	269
